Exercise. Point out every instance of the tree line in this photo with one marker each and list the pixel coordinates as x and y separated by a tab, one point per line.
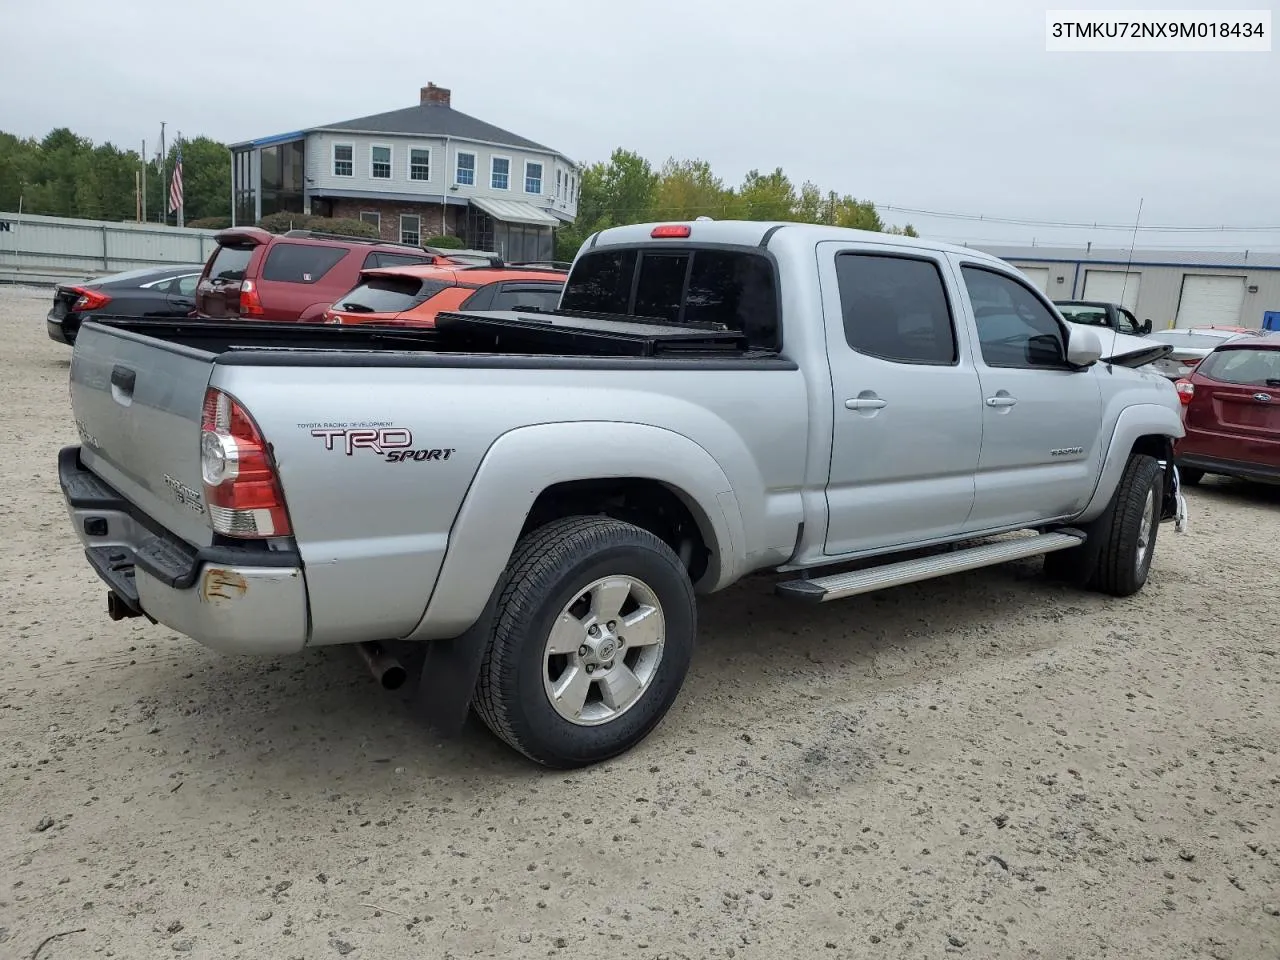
66	175
628	189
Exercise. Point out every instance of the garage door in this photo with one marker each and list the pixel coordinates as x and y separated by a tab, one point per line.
1039	276
1113	286
1209	300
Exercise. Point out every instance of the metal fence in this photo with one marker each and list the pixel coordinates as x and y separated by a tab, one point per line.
37	249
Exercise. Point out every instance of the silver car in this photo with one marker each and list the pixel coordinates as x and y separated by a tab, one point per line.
1189	348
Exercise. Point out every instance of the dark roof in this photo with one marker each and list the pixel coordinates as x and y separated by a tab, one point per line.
435	120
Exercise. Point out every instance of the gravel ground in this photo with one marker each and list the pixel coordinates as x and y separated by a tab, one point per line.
987	766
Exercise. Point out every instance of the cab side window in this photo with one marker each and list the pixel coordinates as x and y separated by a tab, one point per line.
895	308
1015	329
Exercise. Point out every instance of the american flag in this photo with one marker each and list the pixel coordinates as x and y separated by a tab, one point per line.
175	185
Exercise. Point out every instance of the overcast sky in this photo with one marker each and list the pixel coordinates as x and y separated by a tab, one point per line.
927	104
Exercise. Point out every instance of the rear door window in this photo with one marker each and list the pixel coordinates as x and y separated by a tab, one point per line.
733	288
297	263
389	295
230	263
895	308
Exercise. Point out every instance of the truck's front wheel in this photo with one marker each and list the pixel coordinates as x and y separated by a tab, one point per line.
592	638
1116	558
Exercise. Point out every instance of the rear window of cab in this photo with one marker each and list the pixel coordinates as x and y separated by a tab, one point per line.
736	289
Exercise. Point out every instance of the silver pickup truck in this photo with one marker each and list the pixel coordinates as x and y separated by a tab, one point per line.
534	500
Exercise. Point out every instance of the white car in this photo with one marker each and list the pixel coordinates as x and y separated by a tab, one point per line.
1189	348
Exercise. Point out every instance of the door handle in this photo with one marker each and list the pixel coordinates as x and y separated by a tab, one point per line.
1001	401
864	403
124	378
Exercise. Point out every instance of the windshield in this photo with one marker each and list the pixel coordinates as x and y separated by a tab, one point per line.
1247	367
1077	313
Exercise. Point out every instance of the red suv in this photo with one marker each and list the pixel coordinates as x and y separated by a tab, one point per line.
1231	411
256	275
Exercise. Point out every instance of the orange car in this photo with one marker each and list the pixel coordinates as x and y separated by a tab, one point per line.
413	295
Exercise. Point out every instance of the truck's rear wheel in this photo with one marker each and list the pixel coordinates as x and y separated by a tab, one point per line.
593	635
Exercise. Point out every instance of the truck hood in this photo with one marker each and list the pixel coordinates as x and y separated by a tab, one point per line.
1127	350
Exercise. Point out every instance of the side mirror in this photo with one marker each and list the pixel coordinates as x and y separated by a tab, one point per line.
1084	347
1146	326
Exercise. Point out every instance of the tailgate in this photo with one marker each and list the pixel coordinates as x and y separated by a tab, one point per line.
138	402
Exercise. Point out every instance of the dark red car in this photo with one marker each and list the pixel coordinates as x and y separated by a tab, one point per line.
1231	410
256	275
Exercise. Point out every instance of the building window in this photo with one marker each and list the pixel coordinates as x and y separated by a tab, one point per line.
558	178
411	229
380	162
419	163
500	173
532	177
343	160
466	175
573	186
371	217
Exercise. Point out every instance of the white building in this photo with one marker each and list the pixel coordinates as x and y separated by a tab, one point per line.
414	173
1183	288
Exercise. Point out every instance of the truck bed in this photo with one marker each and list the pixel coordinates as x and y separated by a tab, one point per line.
505	338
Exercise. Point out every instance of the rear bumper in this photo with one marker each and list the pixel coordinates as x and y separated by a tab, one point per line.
1264	472
60	329
230	599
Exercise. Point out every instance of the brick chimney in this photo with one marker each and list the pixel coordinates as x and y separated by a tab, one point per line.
437	96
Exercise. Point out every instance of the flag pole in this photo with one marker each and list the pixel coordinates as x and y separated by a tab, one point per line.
144	181
164	180
182	186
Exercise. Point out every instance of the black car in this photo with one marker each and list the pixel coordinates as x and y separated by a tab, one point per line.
154	292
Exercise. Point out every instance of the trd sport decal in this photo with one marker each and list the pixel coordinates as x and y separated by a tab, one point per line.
393	444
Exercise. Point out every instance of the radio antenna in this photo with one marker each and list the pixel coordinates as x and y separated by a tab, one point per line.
1115	333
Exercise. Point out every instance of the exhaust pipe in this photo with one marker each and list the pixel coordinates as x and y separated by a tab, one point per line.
118	609
385	668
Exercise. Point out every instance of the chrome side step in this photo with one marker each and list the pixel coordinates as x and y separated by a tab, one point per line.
841	585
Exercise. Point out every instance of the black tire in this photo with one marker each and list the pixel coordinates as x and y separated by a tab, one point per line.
551	566
1123	567
1190	476
1108	560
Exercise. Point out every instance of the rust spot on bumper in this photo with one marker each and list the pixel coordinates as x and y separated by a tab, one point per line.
219	584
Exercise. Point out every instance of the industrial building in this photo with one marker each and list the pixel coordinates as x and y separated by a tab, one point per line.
1183	288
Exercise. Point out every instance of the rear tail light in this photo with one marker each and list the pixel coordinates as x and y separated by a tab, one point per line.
1186	390
241	486
250	301
88	300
